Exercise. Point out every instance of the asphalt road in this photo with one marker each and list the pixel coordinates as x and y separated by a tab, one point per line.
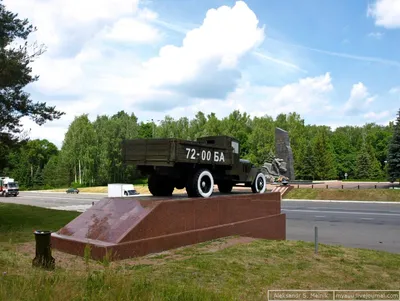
360	225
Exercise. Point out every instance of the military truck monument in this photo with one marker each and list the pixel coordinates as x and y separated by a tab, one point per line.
132	226
194	165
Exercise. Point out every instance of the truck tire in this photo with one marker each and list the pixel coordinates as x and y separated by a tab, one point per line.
167	187
160	186
180	184
259	185
202	183
153	184
190	187
225	187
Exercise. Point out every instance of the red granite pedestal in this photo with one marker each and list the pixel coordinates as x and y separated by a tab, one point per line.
131	227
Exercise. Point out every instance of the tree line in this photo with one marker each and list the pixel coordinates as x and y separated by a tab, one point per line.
91	155
91	151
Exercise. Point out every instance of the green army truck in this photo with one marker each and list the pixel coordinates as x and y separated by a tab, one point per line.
194	165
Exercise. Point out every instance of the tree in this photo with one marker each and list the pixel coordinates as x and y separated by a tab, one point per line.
56	172
394	152
363	166
15	74
309	162
80	149
324	159
261	140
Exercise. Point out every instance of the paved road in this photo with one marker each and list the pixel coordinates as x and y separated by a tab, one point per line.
361	225
62	201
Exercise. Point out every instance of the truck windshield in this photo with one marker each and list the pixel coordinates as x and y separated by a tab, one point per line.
131	192
12	185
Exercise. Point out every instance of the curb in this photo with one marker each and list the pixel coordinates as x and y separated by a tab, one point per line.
341	201
60	192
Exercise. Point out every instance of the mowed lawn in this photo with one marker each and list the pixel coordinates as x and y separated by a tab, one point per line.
225	269
388	195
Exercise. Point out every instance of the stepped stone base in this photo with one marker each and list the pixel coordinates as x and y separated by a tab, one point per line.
131	227
283	190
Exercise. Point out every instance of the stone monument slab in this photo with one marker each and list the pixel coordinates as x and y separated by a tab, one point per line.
132	227
284	151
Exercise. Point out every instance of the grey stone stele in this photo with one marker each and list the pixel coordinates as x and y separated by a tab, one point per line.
284	151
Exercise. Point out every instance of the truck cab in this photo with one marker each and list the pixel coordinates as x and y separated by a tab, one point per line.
8	187
240	168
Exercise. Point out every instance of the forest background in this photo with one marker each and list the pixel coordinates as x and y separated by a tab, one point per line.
90	154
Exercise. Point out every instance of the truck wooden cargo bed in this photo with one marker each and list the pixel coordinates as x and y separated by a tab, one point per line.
168	152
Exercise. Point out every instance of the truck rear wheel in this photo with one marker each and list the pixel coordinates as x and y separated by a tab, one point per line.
160	185
180	184
259	185
225	187
201	184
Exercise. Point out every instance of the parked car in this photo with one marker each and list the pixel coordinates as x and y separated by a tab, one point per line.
72	190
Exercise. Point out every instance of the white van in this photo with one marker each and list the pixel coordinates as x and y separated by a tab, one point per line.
121	190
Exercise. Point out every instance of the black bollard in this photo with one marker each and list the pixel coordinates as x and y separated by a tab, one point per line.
43	257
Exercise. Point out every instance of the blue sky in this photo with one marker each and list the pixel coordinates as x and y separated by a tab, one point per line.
334	62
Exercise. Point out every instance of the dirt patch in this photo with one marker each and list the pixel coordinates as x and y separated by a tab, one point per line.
77	263
226	243
63	260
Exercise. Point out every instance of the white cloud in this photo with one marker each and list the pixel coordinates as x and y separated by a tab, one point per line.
147	14
131	30
386	13
105	77
359	99
377	35
220	41
201	73
394	90
374	116
55	130
308	95
61	23
281	62
204	66
377	60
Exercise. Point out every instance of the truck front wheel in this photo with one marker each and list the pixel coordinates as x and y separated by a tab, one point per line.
259	185
202	184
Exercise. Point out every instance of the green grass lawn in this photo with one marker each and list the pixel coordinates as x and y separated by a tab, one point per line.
18	222
206	271
389	195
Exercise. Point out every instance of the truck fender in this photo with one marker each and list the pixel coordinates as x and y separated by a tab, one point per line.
253	174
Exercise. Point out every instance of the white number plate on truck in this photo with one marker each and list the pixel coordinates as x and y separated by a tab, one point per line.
205	155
